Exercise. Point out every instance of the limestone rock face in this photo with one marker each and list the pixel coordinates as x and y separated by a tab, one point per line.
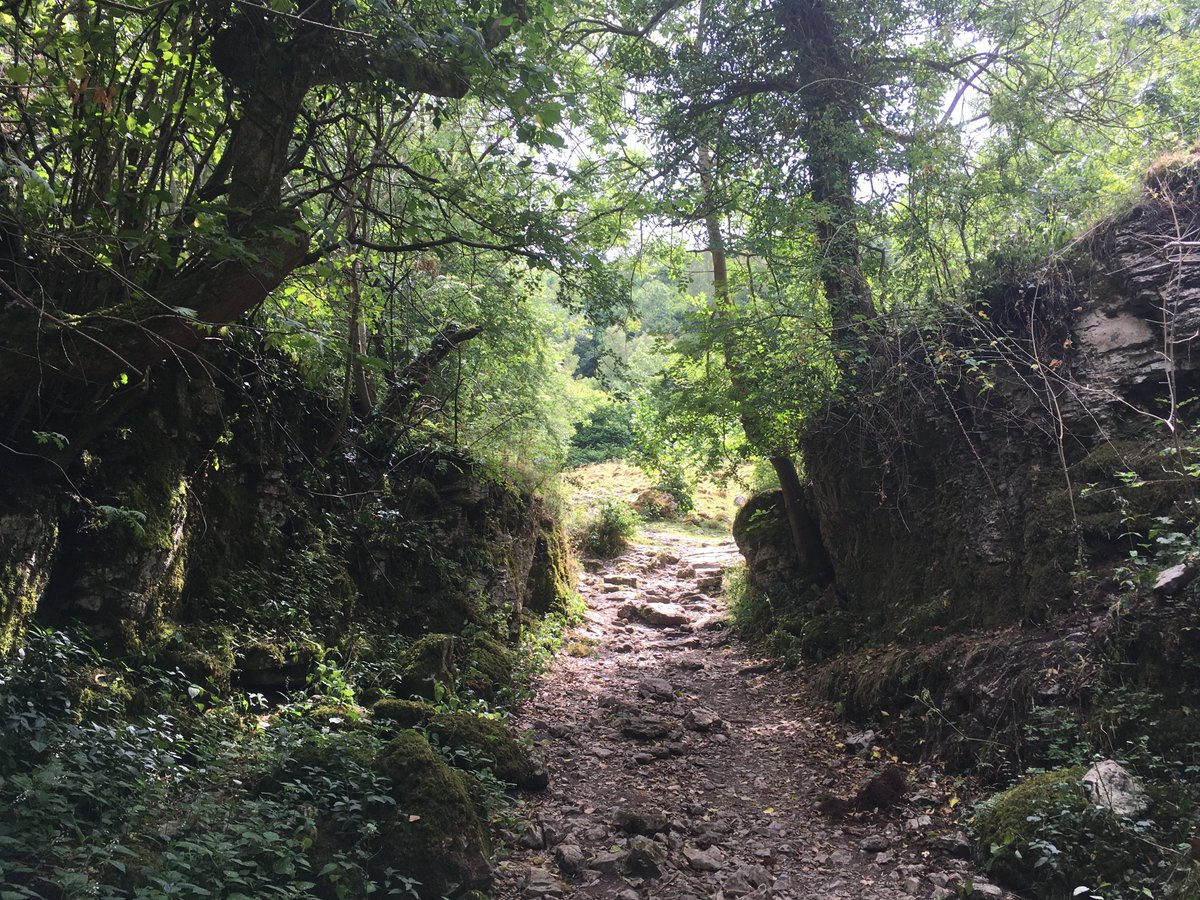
764	538
957	497
1174	579
206	508
1111	785
1147	281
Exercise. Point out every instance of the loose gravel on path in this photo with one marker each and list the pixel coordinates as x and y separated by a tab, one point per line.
682	766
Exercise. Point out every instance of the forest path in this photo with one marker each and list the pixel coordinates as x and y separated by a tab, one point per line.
683	766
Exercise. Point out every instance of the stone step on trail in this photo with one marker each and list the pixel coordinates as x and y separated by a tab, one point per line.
658	615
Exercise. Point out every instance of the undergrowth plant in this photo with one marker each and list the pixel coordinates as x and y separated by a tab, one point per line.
609	528
757	619
118	783
541	640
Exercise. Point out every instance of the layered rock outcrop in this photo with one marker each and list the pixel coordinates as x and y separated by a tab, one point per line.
229	504
1040	434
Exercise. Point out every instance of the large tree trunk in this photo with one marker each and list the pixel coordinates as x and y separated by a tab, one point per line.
830	130
806	534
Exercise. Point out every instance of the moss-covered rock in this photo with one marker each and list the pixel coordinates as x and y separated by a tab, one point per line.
494	746
423	494
764	537
101	693
551	580
339	716
203	653
489	668
435	834
1044	837
405	713
276	665
432	833
307	590
425	664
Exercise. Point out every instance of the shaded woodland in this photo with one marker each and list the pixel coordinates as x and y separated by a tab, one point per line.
306	306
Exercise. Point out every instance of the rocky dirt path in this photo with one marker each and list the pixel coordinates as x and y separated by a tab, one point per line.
684	767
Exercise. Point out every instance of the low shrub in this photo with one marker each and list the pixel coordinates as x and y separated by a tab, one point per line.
605	436
138	782
608	530
673	481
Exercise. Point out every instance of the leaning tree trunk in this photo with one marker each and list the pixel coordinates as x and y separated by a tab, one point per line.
803	538
803	530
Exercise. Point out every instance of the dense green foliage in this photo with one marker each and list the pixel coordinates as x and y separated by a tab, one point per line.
607	530
427	173
119	781
500	238
167	171
961	142
607	434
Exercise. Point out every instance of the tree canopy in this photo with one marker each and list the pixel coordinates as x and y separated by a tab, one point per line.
358	181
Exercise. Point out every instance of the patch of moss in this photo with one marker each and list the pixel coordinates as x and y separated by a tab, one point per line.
423	494
204	653
405	713
1050	547
435	834
551	582
271	664
100	693
494	746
